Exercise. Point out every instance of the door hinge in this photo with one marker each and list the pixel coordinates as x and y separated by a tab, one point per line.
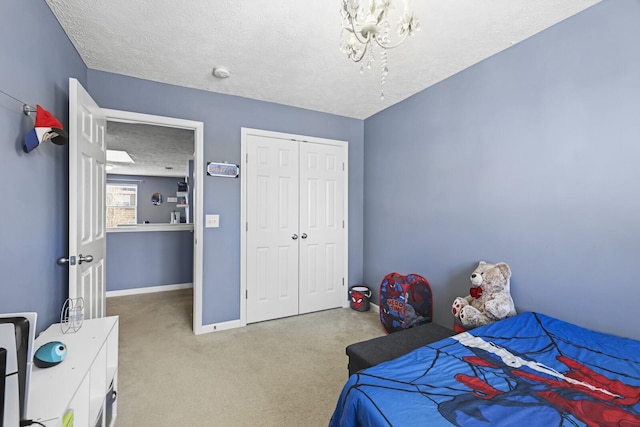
343	281
343	166
246	294
343	223
246	226
247	158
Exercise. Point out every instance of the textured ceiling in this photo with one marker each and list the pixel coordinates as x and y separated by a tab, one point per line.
156	150
287	51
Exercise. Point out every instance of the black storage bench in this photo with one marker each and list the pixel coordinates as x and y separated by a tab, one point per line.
377	350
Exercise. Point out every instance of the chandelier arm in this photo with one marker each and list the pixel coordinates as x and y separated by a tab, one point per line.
364	52
393	46
357	33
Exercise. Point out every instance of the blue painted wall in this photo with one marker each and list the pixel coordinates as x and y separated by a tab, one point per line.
152	258
530	157
223	116
37	60
147	186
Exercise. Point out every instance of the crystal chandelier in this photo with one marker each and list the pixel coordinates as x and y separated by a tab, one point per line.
364	26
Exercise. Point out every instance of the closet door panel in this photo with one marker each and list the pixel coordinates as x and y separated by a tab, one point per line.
272	227
321	221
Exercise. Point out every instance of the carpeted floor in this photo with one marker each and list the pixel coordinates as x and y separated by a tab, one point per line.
286	372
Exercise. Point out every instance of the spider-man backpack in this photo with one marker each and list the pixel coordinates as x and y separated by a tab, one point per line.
405	301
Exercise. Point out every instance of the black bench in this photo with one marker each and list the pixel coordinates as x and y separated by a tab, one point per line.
377	350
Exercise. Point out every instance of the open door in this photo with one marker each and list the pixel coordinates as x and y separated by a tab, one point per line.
87	181
87	237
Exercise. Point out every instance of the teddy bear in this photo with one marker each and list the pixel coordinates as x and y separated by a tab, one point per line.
489	298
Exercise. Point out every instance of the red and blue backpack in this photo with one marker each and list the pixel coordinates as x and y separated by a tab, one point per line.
405	301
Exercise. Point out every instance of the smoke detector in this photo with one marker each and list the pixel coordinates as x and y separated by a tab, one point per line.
221	72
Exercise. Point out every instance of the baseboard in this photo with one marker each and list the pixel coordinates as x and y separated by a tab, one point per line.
148	290
374	307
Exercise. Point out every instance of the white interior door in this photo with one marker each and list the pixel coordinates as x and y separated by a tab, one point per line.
87	239
321	276
272	228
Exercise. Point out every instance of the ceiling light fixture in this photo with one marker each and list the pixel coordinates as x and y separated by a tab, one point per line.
119	156
363	27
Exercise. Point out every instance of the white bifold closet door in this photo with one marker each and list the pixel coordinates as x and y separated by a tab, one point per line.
295	240
321	221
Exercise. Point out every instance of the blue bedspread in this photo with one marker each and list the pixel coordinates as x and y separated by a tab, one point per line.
529	370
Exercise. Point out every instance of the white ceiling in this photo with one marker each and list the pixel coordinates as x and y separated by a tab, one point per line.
287	51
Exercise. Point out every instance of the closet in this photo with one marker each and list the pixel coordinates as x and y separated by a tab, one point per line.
294	237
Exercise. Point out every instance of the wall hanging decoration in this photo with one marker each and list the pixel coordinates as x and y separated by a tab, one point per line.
46	127
226	170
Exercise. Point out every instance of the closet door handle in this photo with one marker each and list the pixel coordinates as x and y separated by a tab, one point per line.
304	235
86	258
294	237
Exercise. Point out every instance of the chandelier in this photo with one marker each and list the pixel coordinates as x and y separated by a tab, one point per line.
365	26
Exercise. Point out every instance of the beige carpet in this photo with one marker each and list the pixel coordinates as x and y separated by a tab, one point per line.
286	372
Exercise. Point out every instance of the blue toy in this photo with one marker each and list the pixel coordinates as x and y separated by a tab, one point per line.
50	354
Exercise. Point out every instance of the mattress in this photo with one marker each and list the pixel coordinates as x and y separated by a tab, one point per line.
530	369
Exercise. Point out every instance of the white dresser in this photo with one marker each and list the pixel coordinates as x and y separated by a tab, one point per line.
86	381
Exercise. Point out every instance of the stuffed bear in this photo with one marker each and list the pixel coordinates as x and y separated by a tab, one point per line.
489	299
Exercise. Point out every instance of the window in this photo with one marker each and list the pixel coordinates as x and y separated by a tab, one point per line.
122	204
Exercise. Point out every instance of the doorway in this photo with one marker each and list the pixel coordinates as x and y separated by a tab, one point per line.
194	211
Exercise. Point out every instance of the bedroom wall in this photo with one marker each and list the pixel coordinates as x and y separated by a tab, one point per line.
147	186
529	157
223	116
148	259
37	60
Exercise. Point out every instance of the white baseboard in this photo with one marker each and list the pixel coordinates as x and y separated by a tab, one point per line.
374	307
151	289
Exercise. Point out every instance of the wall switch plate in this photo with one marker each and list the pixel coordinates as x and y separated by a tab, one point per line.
212	221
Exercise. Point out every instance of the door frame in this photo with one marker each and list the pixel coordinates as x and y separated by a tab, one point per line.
198	198
245	132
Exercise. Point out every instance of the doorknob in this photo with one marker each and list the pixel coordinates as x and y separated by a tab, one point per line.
87	258
294	237
64	261
304	235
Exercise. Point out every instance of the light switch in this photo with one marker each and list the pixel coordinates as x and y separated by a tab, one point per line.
212	221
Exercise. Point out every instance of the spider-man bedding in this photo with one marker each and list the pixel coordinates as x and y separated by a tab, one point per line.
529	370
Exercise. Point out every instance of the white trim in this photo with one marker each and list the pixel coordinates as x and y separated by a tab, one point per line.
198	193
374	307
148	290
345	268
217	327
243	228
137	228
244	132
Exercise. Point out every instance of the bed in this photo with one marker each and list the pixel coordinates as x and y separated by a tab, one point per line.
528	370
